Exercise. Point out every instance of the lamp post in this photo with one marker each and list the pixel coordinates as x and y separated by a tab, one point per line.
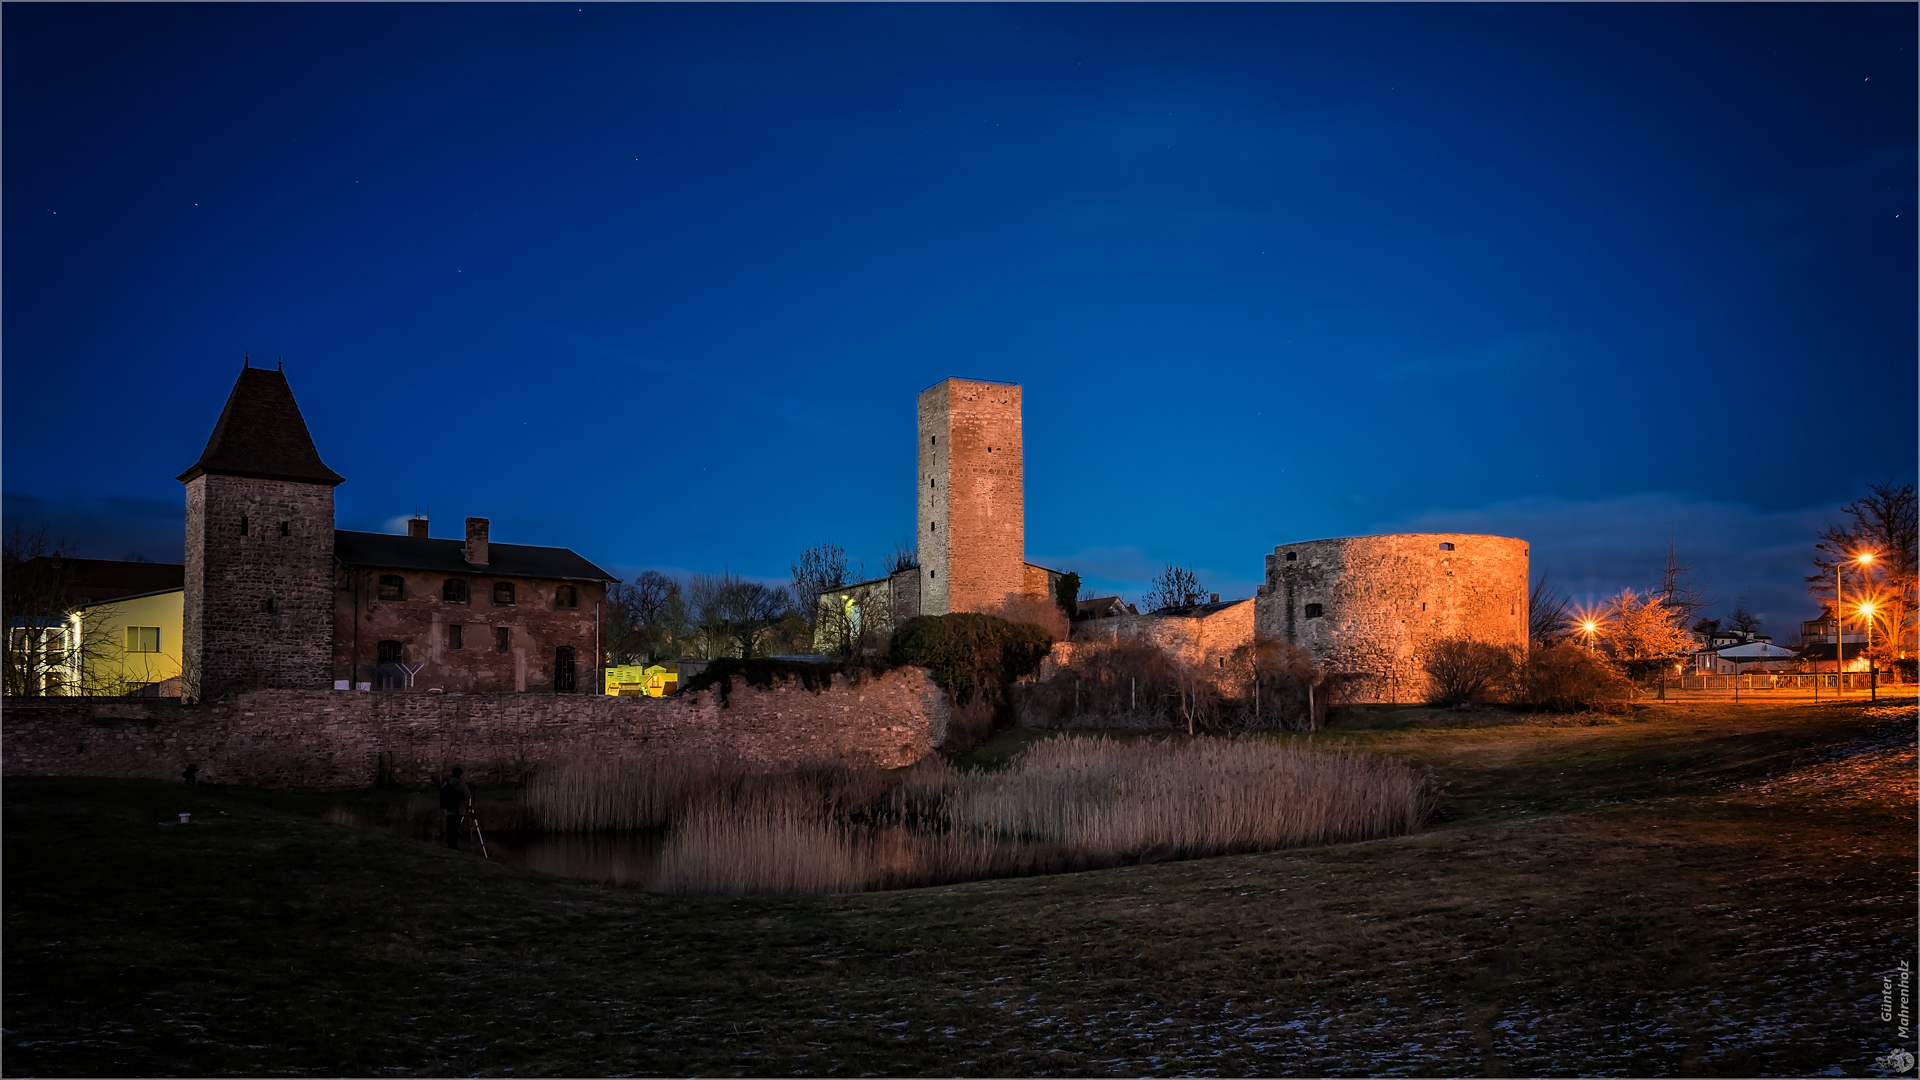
1873	673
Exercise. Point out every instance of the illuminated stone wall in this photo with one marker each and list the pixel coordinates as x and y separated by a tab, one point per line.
971	510
1382	601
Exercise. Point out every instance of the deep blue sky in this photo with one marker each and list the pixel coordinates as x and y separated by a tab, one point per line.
660	283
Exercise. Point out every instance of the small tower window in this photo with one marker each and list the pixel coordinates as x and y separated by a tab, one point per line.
1444	546
392	587
454	591
268	606
1293	556
286	528
933	526
243	524
1314	611
503	592
566	596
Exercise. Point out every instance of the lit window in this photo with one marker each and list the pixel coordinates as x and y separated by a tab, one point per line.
143	639
503	592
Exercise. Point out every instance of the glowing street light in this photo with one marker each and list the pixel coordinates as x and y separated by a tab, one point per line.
1873	674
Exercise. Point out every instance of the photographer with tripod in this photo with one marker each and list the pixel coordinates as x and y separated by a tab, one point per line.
456	799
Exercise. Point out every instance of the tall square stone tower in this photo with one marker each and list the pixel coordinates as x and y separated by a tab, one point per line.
259	551
972	509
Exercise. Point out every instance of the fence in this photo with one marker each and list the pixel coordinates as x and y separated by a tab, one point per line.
1805	682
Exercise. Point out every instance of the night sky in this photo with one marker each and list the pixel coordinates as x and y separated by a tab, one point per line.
660	283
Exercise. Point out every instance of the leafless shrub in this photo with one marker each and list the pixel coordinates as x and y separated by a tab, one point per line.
1569	678
1126	683
1466	671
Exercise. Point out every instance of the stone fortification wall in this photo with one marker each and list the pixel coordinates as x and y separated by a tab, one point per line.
259	585
1370	607
971	506
292	738
1214	631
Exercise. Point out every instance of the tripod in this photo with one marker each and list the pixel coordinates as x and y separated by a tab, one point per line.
473	816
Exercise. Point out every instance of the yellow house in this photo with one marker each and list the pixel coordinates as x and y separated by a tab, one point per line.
133	643
629	680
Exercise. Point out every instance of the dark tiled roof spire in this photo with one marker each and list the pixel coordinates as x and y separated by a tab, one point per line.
261	434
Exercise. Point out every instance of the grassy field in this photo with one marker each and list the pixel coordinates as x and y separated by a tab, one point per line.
1691	889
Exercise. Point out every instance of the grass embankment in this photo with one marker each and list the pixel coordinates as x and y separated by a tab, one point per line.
1691	891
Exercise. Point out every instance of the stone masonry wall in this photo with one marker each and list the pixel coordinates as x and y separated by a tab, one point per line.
421	620
229	637
296	738
1203	640
972	512
1384	601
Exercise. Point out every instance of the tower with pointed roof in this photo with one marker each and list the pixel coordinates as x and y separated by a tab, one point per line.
259	549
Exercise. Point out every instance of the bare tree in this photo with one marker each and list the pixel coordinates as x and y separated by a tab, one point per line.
1677	594
1176	587
822	569
905	555
1642	632
1549	611
646	619
1885	525
1741	618
731	612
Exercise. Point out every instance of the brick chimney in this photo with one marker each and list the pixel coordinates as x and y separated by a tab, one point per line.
417	528
476	549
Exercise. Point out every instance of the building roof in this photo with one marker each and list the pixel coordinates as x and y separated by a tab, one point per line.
390	552
95	581
1754	650
1197	611
261	434
1101	607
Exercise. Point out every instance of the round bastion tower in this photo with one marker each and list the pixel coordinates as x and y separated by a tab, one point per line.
1371	607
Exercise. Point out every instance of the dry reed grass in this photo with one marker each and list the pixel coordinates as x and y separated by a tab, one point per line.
1067	803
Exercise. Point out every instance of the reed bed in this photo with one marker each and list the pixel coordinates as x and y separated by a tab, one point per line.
1067	803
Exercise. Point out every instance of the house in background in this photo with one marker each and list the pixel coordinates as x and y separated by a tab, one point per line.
119	632
1820	646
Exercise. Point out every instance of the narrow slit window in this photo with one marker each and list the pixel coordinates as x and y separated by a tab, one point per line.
454	634
269	606
502	639
286	528
392	587
243	524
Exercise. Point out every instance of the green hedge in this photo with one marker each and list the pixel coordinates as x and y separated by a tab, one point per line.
969	654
